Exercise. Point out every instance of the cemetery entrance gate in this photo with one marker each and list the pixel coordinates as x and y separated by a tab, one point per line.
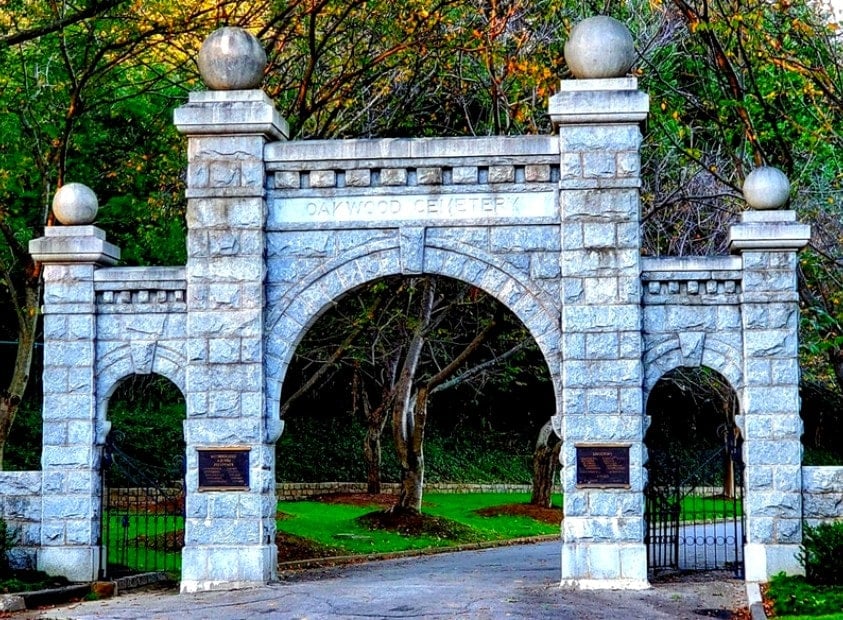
694	509
548	225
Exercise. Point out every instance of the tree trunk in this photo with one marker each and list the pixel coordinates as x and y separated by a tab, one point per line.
545	465
409	415
835	357
407	419
375	424
729	481
412	461
372	457
11	397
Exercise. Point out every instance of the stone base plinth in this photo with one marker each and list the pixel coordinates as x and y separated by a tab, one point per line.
227	567
76	563
763	561
604	566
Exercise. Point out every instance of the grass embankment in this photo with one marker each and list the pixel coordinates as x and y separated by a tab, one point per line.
310	529
699	508
143	541
795	599
340	529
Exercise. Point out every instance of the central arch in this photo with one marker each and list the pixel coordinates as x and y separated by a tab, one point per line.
301	306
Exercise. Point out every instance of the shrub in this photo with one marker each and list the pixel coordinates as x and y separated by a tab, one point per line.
23	448
822	553
314	449
7	541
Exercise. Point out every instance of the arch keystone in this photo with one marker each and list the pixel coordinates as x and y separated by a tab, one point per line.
691	344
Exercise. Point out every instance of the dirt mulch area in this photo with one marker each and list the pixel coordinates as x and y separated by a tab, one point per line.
539	513
386	500
767	602
416	524
382	500
292	548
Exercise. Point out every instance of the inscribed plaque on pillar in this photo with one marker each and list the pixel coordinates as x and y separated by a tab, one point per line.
223	469
603	466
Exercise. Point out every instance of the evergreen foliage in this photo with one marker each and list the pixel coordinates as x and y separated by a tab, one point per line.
821	554
87	94
23	450
316	448
7	543
147	414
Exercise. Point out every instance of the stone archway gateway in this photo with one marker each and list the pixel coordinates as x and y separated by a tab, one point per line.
548	225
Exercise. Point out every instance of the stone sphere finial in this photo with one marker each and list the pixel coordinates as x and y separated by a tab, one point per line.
766	188
231	59
600	47
75	205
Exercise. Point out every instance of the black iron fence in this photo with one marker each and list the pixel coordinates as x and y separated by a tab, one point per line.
694	510
142	514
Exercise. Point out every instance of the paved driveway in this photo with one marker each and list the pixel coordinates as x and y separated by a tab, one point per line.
508	582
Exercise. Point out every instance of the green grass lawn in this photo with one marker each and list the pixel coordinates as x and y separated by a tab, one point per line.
794	599
697	508
838	616
334	525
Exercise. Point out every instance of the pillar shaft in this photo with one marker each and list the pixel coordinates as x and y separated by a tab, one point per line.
72	435
603	527
771	424
229	533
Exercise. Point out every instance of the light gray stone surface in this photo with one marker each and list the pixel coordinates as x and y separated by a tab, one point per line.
766	188
75	204
599	47
20	508
231	59
549	226
822	494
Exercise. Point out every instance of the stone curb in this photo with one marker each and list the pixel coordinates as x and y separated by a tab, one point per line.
393	555
57	596
130	582
12	602
756	602
54	596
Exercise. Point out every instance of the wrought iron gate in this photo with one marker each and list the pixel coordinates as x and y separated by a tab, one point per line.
694	509
142	513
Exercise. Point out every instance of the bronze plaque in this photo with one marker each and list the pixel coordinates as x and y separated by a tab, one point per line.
603	466
224	469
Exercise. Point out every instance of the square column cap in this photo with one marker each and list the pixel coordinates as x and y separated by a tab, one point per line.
233	112
598	102
768	230
74	244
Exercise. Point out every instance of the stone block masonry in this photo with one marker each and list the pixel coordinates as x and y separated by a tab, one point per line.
229	536
770	400
20	508
279	230
603	529
822	494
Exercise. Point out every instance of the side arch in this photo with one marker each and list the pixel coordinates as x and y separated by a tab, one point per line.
673	351
298	310
133	359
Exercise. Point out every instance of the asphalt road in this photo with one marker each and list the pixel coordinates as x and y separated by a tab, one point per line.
507	582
